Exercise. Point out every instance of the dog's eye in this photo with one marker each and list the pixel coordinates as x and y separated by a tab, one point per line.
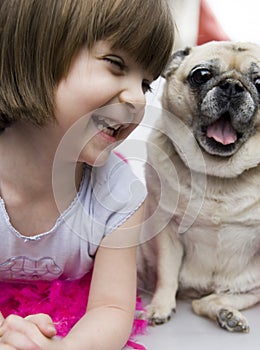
199	76
257	84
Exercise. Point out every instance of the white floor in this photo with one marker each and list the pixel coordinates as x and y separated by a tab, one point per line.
187	331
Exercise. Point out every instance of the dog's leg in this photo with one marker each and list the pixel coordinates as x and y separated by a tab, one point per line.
169	257
223	308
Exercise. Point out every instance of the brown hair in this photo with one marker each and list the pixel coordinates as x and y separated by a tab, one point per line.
39	38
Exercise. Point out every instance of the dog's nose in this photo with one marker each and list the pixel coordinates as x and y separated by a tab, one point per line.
231	88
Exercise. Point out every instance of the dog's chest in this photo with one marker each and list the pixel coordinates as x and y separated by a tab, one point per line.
220	260
223	243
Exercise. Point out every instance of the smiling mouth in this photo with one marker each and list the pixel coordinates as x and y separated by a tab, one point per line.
107	125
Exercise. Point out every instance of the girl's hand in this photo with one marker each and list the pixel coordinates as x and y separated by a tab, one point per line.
4	346
34	332
44	323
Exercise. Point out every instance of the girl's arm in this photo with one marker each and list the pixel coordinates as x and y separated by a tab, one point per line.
109	318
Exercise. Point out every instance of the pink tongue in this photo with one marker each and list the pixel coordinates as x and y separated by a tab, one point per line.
222	131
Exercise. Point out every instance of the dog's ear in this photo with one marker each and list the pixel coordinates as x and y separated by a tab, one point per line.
175	61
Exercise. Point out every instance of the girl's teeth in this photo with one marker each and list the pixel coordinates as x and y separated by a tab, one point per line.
100	127
106	125
107	121
110	124
109	131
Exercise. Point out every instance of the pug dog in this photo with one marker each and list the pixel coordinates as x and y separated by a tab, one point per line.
202	235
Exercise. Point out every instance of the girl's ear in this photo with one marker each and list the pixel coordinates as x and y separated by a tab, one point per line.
175	61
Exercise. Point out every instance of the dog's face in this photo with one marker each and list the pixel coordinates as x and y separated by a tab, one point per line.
215	90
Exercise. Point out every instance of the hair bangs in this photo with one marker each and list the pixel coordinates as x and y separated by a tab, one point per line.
144	29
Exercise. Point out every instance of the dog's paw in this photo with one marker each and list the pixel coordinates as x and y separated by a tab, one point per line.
232	320
158	314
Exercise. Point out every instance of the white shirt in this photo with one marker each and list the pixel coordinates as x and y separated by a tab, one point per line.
108	195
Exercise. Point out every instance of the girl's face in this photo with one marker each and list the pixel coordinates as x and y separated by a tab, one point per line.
100	101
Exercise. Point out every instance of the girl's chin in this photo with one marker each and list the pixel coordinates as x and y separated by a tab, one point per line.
95	159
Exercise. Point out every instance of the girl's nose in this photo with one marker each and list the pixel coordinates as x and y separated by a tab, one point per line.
133	96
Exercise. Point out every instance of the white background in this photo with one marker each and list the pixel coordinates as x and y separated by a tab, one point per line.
240	19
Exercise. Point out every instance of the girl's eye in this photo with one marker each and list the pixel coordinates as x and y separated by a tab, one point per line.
115	61
146	86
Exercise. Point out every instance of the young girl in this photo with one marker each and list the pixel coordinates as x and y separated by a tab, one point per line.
73	75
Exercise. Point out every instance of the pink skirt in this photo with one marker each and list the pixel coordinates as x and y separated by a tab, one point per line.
53	298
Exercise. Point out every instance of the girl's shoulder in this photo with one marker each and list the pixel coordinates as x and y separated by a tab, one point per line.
112	192
115	177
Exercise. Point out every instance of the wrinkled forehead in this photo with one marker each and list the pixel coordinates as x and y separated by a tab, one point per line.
243	57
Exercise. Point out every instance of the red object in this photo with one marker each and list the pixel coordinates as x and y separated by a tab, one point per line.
209	27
